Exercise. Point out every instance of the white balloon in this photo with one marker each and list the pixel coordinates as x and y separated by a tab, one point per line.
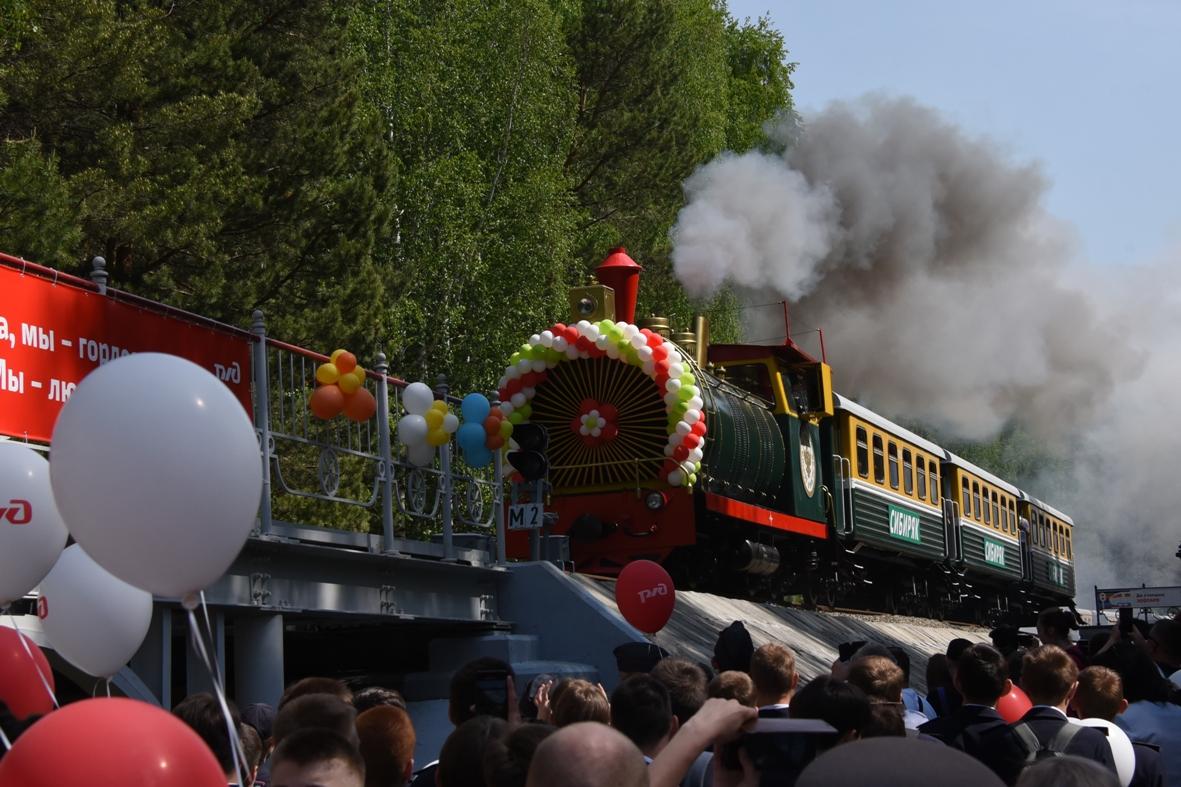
525	365
696	455
560	344
676	478
683	428
538	366
421	455
502	382
672	386
450	423
572	352
547	338
412	429
94	620
507	408
668	450
612	351
695	403
645	353
156	471
518	399
671	398
675	370
418	398
586	329
692	416
649	366
602	342
535	340
32	533
1121	747
529	392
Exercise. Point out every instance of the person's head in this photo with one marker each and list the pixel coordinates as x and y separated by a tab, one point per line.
462	756
465	693
251	750
938	673
885	720
733	649
1100	694
641	710
316	757
387	745
841	704
376	696
896	762
955	649
306	686
733	685
687	686
1004	638
581	700
1164	642
202	713
1142	682
261	717
1048	676
1067	771
773	670
587	755
879	677
316	711
507	758
902	659
637	658
981	676
1054	625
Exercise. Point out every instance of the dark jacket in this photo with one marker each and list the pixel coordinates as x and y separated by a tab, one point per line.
1089	743
981	733
1148	772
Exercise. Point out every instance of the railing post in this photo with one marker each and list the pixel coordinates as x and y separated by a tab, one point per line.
446	480
98	274
387	457
498	497
262	417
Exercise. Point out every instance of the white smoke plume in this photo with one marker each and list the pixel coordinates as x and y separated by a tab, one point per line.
948	296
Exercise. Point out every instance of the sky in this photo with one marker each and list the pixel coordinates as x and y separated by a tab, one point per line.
1090	90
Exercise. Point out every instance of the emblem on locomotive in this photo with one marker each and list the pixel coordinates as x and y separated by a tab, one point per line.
807	463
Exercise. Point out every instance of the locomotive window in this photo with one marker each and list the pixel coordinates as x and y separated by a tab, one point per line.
921	469
862	453
893	452
996	510
934	484
753	377
967	502
977	514
1013	517
879	461
907	472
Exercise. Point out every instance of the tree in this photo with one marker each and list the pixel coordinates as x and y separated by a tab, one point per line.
760	84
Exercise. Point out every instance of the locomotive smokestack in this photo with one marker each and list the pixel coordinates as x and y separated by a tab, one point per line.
622	274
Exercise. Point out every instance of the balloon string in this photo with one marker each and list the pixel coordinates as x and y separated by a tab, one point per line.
4	740
209	658
108	687
44	682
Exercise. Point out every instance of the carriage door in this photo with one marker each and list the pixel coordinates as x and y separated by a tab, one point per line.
1026	554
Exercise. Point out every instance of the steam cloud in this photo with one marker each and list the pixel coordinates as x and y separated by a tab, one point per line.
950	297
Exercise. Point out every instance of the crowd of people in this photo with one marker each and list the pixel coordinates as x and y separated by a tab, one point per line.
745	719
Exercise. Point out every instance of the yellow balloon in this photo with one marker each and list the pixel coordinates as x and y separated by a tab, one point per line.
437	437
348	383
506	429
336	354
357	370
440	406
327	374
434	419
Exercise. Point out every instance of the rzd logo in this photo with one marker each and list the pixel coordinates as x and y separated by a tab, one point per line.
659	590
42	607
17	512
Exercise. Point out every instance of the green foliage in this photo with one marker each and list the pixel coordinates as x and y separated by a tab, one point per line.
760	81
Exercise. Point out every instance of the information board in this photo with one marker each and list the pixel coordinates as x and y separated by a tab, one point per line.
1114	598
52	334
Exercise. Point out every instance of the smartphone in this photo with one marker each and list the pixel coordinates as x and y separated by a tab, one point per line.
780	748
846	650
492	693
1126	620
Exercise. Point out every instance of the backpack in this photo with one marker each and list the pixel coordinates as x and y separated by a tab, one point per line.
1056	747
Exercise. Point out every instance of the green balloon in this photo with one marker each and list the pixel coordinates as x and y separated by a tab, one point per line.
524	411
515	417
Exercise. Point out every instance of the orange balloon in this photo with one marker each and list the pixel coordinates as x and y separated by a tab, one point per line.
495	442
345	362
327	401
491	425
360	406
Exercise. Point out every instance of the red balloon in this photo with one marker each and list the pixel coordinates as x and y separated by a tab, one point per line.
699	427
659	354
655	340
20	688
503	394
494	442
1013	705
610	432
571	335
327	401
529	379
110	740
609	411
558	329
360	405
584	344
662	367
514	386
645	595
692	440
680	453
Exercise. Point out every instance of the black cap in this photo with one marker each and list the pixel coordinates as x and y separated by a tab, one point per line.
896	762
638	656
734	648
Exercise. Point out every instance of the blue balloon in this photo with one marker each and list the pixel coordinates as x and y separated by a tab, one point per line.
475	408
481	458
470	437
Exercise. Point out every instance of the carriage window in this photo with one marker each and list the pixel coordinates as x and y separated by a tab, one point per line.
934	484
879	462
1005	520
977	514
893	454
1013	520
921	470
1068	555
967	500
996	510
862	453
907	471
987	517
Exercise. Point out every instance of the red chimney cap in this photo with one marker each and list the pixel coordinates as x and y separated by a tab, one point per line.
618	258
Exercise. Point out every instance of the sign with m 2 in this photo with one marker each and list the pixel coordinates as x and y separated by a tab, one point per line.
526	516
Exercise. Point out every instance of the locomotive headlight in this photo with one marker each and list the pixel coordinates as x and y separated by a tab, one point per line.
655	501
587	306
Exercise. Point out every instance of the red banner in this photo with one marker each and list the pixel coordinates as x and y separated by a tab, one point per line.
54	334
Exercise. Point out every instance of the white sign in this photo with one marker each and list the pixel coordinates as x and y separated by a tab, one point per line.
525	516
1138	597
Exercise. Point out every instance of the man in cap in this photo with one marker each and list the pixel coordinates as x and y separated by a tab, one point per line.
637	658
734	649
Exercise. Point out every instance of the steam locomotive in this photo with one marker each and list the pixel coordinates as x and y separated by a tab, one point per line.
791	490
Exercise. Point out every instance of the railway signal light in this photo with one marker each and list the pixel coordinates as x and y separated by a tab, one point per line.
529	460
